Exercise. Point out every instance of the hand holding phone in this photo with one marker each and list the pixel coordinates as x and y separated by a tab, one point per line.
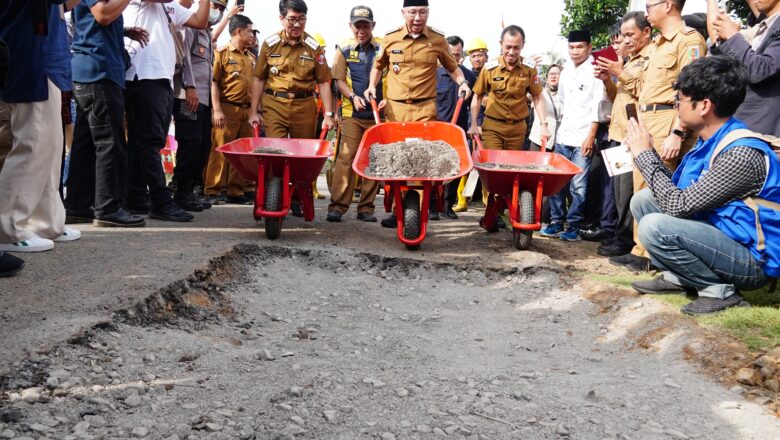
631	111
240	4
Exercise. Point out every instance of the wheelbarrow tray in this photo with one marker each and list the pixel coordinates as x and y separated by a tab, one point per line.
306	158
390	132
500	181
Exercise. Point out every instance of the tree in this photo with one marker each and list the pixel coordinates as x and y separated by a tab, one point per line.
594	15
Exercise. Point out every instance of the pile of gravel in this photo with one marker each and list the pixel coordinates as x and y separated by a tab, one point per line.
423	159
270	150
514	167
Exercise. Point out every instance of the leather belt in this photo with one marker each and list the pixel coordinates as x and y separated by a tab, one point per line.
237	104
290	95
506	121
411	101
655	107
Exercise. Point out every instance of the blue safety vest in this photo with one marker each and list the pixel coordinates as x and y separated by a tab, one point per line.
360	61
736	219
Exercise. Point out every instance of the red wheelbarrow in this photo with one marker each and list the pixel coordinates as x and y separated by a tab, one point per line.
412	213
520	190
278	176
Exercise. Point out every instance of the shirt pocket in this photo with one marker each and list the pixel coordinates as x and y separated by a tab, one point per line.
201	47
667	63
397	59
498	84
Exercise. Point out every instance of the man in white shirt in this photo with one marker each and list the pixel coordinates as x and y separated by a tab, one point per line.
149	102
579	93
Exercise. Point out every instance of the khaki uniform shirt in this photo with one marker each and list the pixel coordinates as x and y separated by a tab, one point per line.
412	63
507	89
672	52
233	74
628	87
287	67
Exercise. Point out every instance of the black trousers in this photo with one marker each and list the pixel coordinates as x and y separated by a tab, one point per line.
149	105
623	187
194	139
98	158
600	203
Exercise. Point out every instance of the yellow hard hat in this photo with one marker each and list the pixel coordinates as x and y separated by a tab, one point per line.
320	39
476	44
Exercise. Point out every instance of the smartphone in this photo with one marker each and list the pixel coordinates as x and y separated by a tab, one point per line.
240	4
608	53
631	112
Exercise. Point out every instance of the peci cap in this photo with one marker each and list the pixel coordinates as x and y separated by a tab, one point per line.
361	13
579	36
413	3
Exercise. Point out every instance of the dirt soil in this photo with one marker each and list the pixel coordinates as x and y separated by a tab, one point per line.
327	335
426	159
528	167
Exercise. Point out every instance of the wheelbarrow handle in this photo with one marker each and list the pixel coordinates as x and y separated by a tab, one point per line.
256	129
375	109
461	98
324	132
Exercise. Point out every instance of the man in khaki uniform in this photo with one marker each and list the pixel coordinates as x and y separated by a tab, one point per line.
411	55
507	81
230	100
351	69
637	41
675	47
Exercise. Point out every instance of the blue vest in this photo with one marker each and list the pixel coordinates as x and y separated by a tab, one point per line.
360	61
736	219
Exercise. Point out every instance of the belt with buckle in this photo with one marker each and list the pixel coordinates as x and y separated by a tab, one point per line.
655	107
237	104
506	121
290	95
411	101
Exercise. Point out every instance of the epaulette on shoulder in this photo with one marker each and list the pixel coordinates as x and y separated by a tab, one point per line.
348	44
273	40
433	29
492	64
311	42
394	30
687	30
221	48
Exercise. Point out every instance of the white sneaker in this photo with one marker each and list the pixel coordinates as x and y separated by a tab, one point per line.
68	234
34	244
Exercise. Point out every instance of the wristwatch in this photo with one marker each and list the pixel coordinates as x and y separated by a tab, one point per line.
330	114
679	133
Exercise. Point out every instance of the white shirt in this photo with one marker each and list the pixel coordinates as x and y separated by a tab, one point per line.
762	29
158	59
579	93
553	107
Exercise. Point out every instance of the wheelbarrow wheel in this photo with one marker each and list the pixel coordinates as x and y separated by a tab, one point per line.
273	202
412	217
522	239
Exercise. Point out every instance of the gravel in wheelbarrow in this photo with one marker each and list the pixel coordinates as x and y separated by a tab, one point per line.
518	167
418	158
271	150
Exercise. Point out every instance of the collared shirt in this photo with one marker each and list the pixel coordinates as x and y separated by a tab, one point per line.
629	85
353	64
579	93
447	97
196	69
673	51
507	89
233	74
157	60
412	62
97	49
762	29
292	67
552	105
35	59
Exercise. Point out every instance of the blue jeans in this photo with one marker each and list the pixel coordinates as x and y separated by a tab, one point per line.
695	253
577	187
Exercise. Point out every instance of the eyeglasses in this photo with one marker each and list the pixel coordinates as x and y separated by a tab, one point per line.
294	20
677	102
420	12
647	7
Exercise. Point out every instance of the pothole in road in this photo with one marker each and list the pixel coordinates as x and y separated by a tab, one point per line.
280	343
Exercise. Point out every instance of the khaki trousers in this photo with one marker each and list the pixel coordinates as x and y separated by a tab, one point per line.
402	112
219	173
294	118
343	183
30	201
498	135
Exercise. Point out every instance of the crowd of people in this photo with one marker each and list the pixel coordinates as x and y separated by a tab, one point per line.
701	205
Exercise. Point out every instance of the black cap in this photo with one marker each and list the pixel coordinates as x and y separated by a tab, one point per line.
579	36
361	13
412	3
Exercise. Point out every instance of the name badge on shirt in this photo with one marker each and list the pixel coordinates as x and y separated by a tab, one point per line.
306	57
396	51
275	55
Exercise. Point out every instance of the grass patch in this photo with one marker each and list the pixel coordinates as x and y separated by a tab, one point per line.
758	326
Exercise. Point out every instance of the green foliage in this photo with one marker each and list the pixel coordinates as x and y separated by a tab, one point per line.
739	7
593	15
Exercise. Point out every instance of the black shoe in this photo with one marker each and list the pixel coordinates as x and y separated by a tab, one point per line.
187	202
296	209
119	219
239	200
389	222
500	224
659	286
170	213
450	214
434	215
613	250
334	216
366	217
205	204
597	234
215	199
10	265
706	305
73	217
137	209
632	262
609	241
